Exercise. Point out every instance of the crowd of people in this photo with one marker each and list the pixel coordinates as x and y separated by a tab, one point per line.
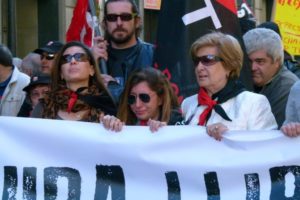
64	81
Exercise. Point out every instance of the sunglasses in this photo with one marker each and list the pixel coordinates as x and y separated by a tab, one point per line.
123	17
145	98
206	60
79	57
47	56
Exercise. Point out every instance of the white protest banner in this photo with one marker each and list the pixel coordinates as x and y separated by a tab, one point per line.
56	159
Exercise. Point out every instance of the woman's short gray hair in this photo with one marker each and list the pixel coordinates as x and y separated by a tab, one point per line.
264	39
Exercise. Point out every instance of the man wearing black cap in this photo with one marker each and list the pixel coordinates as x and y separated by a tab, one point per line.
38	87
48	54
12	82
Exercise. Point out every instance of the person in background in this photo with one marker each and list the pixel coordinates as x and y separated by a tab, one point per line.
270	77
36	90
125	51
17	62
77	92
48	53
31	64
148	99
222	102
291	126
288	60
12	82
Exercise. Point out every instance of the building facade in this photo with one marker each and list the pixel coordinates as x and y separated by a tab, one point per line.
28	24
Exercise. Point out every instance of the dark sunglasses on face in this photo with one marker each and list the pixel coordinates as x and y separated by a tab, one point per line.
123	17
79	57
145	98
48	56
206	60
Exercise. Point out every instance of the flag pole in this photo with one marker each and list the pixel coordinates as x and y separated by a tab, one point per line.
103	66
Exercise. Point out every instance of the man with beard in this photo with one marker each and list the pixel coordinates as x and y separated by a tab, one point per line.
125	52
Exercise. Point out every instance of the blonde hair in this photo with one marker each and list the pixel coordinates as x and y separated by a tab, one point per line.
228	49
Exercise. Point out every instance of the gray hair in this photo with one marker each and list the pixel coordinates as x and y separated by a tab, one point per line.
17	62
264	39
31	64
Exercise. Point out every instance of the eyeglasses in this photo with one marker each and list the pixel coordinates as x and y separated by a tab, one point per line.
48	56
145	98
123	17
206	60
79	57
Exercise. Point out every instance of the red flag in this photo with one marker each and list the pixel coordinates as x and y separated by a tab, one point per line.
79	29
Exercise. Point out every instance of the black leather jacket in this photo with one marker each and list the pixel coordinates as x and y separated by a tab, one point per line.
141	56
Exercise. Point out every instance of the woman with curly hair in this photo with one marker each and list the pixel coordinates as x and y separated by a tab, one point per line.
77	92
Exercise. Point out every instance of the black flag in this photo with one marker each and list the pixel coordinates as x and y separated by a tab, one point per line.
181	22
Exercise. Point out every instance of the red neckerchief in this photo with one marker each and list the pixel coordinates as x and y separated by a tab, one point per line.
204	99
143	122
72	101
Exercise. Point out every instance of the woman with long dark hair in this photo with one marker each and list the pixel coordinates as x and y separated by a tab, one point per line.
148	99
77	91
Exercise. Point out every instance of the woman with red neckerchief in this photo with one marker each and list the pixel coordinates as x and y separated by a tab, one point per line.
77	92
222	102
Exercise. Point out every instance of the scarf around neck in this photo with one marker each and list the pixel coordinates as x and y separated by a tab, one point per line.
231	89
85	98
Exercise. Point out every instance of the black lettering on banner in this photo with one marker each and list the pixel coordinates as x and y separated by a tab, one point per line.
278	182
51	175
212	186
10	183
29	183
252	186
113	177
173	186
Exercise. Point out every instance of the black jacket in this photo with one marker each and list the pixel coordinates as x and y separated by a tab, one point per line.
139	56
176	118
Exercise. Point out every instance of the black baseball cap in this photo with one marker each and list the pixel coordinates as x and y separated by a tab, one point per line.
52	47
37	80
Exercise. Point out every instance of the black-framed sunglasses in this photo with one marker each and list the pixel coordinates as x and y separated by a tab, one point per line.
206	60
48	56
123	17
145	98
79	57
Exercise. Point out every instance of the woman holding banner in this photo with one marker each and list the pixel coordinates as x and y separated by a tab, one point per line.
222	103
77	92
148	99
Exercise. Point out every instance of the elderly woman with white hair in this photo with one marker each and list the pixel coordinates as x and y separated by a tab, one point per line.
222	102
